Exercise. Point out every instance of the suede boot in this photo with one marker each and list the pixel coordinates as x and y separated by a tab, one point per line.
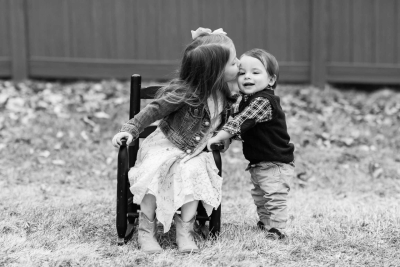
147	235
185	235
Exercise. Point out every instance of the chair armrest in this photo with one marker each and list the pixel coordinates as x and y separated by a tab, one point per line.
217	146
123	142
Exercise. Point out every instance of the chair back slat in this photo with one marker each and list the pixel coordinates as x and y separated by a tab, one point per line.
149	92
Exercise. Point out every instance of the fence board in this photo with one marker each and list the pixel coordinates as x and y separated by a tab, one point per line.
5	67
276	28
18	38
255	33
188	20
397	30
363	31
141	38
81	29
299	28
318	44
386	45
169	32
234	23
104	28
338	25
4	28
124	41
5	53
47	37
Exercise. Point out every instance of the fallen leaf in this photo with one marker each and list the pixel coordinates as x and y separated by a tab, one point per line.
119	100
13	116
84	135
59	134
44	154
15	104
57	146
348	141
3	99
375	170
102	115
88	121
58	162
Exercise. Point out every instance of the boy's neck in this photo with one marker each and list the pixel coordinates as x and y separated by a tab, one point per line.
265	89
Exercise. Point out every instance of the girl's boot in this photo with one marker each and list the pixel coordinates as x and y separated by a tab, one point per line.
147	235
185	235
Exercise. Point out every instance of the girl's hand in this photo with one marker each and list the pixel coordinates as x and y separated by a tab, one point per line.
116	141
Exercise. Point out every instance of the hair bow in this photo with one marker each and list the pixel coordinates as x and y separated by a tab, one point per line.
201	30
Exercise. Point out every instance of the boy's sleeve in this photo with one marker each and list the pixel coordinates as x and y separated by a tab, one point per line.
259	110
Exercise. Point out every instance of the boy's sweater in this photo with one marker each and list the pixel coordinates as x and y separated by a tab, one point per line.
267	140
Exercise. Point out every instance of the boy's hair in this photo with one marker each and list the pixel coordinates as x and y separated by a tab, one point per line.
201	73
268	60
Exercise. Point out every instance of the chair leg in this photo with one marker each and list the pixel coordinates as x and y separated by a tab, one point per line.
133	218
122	198
215	222
202	218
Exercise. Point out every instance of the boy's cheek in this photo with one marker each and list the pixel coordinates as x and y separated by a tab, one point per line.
240	81
240	87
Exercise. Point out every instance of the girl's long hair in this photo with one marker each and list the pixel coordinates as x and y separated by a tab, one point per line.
201	73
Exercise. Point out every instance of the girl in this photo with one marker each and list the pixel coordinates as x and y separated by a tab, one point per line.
172	171
261	124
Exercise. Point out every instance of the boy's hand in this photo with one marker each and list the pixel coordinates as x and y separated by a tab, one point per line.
213	140
116	141
227	143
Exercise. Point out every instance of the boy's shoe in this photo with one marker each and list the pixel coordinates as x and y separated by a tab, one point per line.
273	232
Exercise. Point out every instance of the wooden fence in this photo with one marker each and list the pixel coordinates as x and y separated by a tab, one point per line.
315	41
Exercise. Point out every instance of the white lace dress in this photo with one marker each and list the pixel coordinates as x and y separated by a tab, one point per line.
174	177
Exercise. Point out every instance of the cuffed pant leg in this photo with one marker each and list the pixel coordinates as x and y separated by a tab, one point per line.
271	188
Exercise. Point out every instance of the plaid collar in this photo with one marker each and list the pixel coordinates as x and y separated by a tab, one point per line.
266	89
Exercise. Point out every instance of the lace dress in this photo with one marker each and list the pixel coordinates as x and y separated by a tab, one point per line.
174	177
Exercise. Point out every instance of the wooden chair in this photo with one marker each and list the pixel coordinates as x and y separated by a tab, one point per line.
127	211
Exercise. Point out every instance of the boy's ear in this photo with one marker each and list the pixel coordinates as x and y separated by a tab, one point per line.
272	80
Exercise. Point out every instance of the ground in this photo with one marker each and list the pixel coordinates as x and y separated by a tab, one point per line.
58	181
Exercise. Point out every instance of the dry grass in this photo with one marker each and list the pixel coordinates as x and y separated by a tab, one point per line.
57	208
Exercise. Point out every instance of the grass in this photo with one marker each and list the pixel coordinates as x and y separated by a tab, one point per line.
58	182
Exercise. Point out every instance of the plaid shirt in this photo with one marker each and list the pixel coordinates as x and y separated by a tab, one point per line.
260	110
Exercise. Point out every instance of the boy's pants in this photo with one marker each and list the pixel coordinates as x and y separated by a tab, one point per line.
271	182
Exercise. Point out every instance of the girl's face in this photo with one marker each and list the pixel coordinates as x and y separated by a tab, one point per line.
231	68
253	76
